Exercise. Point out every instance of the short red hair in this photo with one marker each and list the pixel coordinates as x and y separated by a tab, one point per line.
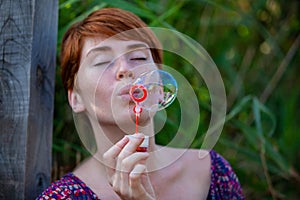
105	23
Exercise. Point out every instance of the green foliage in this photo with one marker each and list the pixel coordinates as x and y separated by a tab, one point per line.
256	48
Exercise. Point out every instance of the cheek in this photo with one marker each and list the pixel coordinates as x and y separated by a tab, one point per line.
98	83
100	105
97	88
103	93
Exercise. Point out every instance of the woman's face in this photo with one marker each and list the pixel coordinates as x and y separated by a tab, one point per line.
107	69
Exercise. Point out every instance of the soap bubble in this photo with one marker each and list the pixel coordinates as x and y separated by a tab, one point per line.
154	90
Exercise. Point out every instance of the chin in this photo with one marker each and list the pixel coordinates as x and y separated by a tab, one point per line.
125	117
144	118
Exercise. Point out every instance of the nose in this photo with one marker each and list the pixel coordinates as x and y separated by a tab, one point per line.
123	69
124	74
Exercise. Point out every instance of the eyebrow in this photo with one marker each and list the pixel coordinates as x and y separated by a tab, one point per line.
129	47
103	49
137	46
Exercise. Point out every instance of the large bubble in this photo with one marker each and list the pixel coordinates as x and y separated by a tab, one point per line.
154	90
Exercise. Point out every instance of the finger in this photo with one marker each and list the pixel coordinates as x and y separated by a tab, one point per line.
121	177
140	182
134	142
126	166
128	163
135	180
136	173
117	183
127	151
109	157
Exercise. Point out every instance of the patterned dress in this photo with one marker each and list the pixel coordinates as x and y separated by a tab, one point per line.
224	184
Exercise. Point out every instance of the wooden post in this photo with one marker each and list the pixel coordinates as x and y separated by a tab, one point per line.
28	31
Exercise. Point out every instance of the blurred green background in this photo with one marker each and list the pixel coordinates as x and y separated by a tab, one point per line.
255	45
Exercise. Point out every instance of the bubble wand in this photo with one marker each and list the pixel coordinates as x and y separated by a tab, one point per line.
153	90
138	93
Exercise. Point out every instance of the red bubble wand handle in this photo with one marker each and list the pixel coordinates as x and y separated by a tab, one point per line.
137	110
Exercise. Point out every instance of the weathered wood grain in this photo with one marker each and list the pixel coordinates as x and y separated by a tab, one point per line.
28	31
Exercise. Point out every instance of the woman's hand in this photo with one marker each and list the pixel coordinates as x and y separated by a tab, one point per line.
126	169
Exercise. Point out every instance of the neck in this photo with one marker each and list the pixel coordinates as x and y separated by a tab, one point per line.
108	134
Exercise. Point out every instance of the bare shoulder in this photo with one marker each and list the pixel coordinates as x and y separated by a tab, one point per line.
197	163
198	169
193	159
192	171
192	162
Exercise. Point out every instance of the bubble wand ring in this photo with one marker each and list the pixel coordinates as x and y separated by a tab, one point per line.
138	93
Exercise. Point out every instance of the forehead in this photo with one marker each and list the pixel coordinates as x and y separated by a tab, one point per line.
111	45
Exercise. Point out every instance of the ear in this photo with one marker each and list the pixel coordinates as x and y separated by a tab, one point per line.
75	101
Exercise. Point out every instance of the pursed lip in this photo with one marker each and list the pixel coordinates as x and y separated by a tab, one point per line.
124	93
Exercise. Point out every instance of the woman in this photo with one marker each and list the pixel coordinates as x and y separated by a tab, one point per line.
97	59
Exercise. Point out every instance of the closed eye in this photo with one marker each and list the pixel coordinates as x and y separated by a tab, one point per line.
102	63
139	58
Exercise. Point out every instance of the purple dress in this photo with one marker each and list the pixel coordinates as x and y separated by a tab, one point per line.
224	184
